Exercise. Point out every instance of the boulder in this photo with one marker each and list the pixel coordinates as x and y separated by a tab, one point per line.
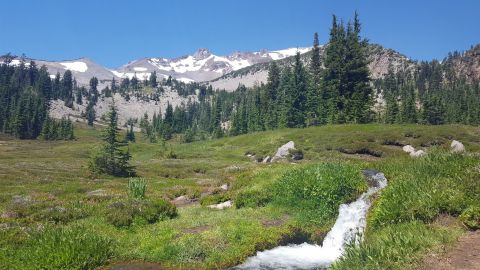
457	147
221	206
283	151
418	153
266	159
408	149
224	187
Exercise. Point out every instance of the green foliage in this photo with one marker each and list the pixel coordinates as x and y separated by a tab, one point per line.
58	248
111	158
425	187
252	198
125	213
394	246
316	192
471	217
137	188
214	199
57	130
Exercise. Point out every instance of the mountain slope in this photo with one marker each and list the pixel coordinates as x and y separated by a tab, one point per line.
380	58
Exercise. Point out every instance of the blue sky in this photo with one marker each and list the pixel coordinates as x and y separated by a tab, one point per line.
115	32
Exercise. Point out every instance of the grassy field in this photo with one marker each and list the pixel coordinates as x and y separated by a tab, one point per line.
51	218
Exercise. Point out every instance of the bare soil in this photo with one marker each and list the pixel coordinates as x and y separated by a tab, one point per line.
465	255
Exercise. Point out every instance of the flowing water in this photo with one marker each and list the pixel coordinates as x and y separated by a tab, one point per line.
348	228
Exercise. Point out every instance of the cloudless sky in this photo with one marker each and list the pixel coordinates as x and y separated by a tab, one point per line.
115	32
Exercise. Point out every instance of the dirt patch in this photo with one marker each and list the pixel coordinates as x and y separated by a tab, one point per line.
273	223
197	229
464	255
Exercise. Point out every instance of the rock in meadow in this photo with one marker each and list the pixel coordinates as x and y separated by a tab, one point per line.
283	151
457	147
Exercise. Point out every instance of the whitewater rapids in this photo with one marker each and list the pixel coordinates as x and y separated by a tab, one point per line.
348	228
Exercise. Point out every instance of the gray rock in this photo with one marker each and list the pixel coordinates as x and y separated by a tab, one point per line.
283	151
457	147
224	187
418	153
408	149
267	159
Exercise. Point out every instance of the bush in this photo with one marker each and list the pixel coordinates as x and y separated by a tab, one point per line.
137	188
123	214
58	248
120	214
471	217
252	198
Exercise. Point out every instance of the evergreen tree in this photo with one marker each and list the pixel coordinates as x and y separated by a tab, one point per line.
90	113
130	136
296	113
314	103
112	159
153	79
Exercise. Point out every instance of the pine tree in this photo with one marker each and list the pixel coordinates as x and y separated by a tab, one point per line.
296	115
272	88
314	103
153	79
112	159
90	113
392	113
130	136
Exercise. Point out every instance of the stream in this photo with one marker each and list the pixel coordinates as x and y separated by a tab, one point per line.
348	228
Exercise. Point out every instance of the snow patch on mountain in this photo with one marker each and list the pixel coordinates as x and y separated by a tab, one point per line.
140	69
75	66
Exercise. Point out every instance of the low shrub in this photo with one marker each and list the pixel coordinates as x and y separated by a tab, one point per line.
58	248
471	217
252	198
214	199
123	214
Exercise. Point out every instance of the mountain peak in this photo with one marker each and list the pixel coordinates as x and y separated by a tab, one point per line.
202	53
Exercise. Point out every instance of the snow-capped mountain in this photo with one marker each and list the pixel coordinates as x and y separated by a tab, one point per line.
198	67
202	65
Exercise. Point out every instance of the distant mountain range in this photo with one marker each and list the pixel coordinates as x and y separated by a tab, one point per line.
247	68
200	67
